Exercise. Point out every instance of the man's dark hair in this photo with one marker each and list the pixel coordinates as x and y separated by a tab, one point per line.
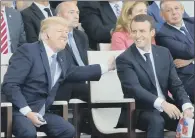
143	18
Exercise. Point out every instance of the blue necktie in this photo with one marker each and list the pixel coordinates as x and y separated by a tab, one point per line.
75	51
187	34
53	66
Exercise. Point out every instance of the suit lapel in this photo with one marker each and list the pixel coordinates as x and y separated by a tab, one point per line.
108	11
53	11
158	60
37	11
190	28
70	50
46	64
176	31
10	22
143	64
62	62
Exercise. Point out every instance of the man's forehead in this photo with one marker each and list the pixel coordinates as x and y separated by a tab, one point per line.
171	3
140	25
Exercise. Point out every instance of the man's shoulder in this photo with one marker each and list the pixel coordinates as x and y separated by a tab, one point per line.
189	19
30	47
165	30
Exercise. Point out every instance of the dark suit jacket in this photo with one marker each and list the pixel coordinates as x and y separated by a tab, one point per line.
76	90
16	28
28	81
136	80
97	19
178	44
32	17
154	11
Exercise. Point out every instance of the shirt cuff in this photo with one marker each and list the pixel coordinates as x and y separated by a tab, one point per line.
25	110
186	106
157	104
104	68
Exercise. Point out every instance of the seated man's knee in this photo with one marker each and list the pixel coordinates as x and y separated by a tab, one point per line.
30	133
157	121
70	131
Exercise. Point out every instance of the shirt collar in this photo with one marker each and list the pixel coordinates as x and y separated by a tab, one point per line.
120	3
157	3
48	50
178	28
142	52
42	7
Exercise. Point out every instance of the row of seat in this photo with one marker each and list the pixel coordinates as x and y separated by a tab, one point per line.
106	100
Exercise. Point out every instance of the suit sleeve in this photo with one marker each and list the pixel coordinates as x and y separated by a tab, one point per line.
131	84
19	67
178	49
92	22
175	85
83	73
22	38
31	35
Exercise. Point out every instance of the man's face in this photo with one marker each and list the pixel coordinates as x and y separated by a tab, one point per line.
71	14
57	37
172	12
142	34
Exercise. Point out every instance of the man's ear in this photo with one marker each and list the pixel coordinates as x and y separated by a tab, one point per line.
153	32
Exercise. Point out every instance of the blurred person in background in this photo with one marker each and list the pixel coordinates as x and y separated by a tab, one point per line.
12	28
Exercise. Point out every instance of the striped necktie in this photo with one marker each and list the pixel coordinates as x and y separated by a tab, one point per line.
4	39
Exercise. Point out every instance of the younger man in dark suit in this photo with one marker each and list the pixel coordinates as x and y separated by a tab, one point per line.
146	73
177	34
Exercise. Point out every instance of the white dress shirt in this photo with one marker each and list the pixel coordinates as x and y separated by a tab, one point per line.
157	3
8	34
161	98
120	3
42	7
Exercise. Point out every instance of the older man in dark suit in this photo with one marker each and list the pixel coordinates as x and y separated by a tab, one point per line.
146	73
12	30
32	17
41	68
77	48
177	34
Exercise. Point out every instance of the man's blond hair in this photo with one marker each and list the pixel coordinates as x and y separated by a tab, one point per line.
49	22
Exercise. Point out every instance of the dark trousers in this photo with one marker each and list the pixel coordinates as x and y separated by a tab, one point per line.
154	123
56	127
188	82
